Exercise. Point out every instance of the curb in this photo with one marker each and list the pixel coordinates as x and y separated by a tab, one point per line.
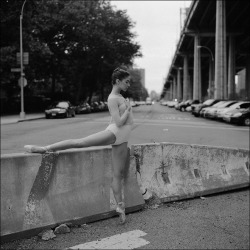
30	119
17	120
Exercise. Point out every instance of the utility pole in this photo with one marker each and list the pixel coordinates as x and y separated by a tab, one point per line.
22	113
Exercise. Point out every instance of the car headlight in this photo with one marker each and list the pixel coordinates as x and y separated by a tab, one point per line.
237	115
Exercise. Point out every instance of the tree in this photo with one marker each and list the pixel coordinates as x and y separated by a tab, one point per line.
73	45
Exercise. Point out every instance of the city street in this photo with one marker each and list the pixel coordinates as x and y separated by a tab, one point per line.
219	221
153	123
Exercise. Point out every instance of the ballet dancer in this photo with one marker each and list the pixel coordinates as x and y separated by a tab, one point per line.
116	134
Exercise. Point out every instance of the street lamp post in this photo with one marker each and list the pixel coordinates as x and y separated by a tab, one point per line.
22	113
212	58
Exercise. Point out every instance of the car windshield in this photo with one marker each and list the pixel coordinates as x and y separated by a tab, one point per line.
217	104
63	105
234	106
225	104
208	102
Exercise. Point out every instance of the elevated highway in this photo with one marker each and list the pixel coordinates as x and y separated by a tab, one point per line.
213	47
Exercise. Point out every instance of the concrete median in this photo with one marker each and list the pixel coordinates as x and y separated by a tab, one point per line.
42	191
174	171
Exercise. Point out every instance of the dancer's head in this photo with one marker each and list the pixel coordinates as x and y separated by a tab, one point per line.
121	78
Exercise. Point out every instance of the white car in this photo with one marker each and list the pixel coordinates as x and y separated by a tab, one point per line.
205	110
211	113
237	105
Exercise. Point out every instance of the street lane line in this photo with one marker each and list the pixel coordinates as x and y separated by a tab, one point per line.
185	124
207	127
128	240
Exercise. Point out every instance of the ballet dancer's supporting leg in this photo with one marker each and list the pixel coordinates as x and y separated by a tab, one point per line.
119	157
98	139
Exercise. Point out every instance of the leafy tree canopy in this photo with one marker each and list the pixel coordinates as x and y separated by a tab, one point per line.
73	45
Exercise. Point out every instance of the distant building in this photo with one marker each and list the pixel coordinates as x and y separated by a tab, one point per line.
142	74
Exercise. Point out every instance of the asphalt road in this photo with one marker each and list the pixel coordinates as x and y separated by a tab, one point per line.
215	222
154	123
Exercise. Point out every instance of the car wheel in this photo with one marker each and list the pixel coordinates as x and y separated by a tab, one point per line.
247	121
47	116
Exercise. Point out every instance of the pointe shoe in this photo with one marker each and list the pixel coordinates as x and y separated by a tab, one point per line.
120	209
35	149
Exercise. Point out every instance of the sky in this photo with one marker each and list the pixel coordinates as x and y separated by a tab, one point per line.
157	29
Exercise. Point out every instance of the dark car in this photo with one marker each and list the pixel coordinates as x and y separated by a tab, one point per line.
102	106
95	107
188	103
178	104
240	117
196	109
83	108
63	109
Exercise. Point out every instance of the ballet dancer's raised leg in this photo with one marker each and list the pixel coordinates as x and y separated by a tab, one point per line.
119	157
102	138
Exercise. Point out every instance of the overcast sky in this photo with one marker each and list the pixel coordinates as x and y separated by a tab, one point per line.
157	25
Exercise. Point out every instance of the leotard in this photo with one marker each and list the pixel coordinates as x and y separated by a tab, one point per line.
117	106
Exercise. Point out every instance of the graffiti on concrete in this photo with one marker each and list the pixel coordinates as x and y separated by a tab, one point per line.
35	204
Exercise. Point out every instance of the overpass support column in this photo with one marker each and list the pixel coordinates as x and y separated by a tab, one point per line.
190	88
211	80
179	85
185	78
171	91
220	51
231	68
197	70
247	82
175	87
167	94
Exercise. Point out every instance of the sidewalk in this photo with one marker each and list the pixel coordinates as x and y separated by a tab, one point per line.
8	119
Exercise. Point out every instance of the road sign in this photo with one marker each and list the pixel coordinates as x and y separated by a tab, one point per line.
25	58
24	82
15	70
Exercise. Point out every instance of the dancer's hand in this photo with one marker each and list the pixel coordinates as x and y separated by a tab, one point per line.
128	105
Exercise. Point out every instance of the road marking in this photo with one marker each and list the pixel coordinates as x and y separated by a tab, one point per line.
207	127
185	124
129	240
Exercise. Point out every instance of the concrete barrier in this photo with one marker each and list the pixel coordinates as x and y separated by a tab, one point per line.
42	191
178	171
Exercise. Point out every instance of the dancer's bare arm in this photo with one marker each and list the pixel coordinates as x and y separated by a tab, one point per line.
114	111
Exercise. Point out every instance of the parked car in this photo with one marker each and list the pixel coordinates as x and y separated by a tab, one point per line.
95	107
211	112
171	104
203	110
63	109
164	103
178	104
148	101
83	108
102	106
188	103
238	105
240	117
133	104
196	109
106	106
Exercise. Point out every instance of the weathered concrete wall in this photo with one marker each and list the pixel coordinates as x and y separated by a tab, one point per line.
177	171
38	191
42	190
